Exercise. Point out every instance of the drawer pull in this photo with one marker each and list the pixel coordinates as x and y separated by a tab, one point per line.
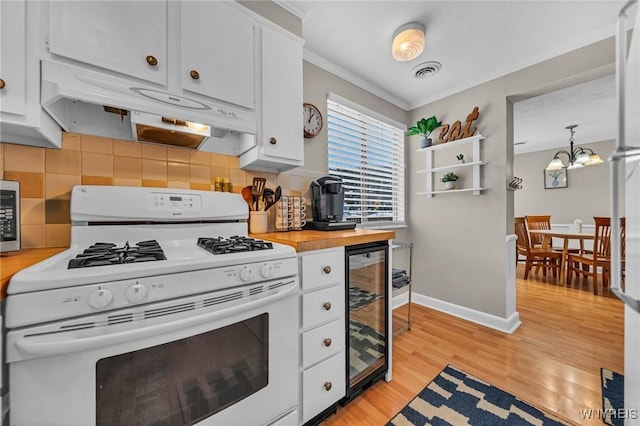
273	141
2	84
327	306
327	342
194	74
151	60
327	386
327	269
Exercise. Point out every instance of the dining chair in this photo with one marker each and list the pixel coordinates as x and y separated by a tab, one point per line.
534	256
587	264
537	223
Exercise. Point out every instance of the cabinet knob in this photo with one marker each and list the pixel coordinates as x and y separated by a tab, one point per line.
327	306
327	269
2	84
151	60
327	342
194	74
273	141
328	386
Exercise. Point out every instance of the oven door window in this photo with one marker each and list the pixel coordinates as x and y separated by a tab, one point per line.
185	381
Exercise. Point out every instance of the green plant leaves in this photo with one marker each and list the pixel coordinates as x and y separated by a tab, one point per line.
424	126
449	177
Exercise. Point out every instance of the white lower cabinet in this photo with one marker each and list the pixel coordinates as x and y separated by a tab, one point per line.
322	331
322	343
322	385
322	305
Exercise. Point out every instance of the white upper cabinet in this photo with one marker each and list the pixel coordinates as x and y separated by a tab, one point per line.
280	141
126	37
217	51
13	58
281	96
22	120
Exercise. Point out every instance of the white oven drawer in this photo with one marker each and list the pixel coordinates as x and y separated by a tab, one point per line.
323	385
322	269
322	342
322	306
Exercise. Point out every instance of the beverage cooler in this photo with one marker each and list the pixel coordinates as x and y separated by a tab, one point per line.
367	334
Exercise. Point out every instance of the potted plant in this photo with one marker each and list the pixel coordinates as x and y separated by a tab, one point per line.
460	158
424	127
449	180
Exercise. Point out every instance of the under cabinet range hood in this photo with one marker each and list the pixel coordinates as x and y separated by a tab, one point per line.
81	101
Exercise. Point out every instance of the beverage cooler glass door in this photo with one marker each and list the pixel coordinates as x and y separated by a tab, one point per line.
221	366
367	313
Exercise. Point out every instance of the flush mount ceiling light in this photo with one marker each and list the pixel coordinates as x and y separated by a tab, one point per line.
578	157
408	42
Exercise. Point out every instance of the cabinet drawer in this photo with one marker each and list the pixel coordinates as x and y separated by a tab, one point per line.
322	386
322	269
322	306
322	342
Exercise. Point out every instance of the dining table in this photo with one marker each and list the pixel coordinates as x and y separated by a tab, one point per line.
566	236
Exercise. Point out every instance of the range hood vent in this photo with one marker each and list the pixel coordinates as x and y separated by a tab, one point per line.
83	101
169	131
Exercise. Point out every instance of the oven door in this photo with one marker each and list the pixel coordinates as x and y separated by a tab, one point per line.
225	358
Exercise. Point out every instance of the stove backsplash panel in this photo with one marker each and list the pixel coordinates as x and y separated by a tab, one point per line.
46	177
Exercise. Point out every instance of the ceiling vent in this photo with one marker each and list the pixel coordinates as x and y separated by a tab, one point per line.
427	69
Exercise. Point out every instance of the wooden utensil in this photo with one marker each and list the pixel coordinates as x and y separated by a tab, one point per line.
248	196
256	190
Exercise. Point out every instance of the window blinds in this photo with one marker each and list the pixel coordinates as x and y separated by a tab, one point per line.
368	155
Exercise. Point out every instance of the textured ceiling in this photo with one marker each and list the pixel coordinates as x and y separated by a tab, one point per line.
475	41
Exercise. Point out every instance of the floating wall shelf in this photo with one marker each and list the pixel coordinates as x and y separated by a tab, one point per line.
475	165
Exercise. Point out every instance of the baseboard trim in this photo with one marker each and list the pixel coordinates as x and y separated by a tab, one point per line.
505	325
400	300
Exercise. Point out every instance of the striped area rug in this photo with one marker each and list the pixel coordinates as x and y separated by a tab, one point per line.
457	398
612	397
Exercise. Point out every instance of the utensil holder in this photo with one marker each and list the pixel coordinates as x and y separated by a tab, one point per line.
257	222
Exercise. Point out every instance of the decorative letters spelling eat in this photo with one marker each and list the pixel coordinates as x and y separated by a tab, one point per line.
455	131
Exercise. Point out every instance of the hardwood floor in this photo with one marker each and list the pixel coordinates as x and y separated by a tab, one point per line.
552	361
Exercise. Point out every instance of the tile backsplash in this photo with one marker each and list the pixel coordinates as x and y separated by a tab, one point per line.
46	177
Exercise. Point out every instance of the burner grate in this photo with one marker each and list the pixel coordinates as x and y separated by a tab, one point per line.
235	244
102	254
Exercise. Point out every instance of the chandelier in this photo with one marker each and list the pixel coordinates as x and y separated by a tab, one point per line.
578	157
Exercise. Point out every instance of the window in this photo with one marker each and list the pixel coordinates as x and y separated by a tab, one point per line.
366	150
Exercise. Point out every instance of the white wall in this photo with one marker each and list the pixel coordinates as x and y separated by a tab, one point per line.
586	194
317	84
459	239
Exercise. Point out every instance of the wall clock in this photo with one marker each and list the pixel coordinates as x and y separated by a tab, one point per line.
313	122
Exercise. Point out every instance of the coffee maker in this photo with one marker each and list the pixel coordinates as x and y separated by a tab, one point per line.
327	202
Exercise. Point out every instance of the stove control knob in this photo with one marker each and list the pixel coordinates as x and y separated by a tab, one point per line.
136	293
100	298
246	274
265	271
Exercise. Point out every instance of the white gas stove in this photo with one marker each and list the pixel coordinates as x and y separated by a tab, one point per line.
148	269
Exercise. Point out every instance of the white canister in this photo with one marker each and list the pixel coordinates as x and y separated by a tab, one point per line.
257	222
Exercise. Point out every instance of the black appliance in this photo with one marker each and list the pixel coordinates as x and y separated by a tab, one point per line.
367	315
327	202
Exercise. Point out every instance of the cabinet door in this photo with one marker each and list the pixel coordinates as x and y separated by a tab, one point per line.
13	46
282	134
126	37
217	52
322	385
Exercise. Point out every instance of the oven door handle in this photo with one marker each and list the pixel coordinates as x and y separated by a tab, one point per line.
33	347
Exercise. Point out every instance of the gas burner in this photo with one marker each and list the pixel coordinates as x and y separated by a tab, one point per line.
101	254
235	244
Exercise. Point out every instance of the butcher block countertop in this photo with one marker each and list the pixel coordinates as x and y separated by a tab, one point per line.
316	240
10	263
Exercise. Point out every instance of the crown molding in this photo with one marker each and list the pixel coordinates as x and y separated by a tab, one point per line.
327	65
294	7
